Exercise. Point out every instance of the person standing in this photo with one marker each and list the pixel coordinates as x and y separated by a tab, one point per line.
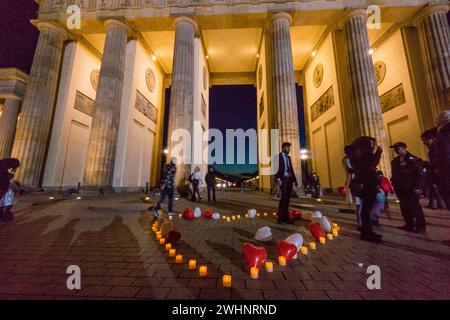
210	180
196	179
351	199
364	155
286	179
407	179
167	187
443	155
8	187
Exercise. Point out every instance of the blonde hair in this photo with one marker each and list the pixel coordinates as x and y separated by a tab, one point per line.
443	118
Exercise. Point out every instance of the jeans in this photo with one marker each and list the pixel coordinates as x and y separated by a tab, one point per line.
166	192
195	191
211	191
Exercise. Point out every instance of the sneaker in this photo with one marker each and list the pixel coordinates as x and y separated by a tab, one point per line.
171	213
155	212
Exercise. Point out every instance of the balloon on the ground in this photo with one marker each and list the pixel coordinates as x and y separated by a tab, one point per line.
173	236
216	216
296	239
295	214
317	216
188	214
287	250
197	212
255	256
251	213
207	213
316	231
263	234
326	224
342	190
166	227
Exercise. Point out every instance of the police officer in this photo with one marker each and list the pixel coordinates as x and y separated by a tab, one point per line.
407	179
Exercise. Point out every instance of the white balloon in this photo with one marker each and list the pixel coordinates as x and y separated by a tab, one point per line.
197	212
251	213
263	234
317	217
325	224
216	216
296	239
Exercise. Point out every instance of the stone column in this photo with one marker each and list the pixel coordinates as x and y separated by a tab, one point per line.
434	36
363	85
8	122
182	92
283	84
99	168
33	128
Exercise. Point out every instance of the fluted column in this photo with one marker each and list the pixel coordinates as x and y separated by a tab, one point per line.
33	128
363	85
283	84
434	36
99	168
182	91
8	122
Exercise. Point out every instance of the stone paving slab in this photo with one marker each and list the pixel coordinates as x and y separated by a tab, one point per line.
110	239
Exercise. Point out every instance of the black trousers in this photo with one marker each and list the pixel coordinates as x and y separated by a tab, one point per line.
283	206
368	200
195	185
211	191
411	210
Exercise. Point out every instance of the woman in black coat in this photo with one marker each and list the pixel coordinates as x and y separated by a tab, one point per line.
442	154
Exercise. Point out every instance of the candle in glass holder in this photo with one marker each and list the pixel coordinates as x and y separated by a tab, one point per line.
162	241
335	225
282	261
312	245
158	237
226	280
228	219
233	217
154	229
168	246
170	217
329	236
335	232
274	214
238	216
179	259
254	272
269	266
322	240
258	214
304	250
202	271
246	215
192	264
180	215
172	252
265	214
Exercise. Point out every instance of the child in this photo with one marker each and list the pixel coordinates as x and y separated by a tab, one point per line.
8	187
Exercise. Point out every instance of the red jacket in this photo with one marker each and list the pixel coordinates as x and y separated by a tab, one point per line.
386	185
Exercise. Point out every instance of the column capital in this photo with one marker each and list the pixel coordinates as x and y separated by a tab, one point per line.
52	25
427	11
118	22
187	20
349	14
281	15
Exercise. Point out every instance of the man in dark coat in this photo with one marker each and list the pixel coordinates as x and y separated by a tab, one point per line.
286	179
442	153
210	180
408	181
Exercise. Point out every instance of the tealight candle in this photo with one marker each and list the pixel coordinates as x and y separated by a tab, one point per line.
269	266
179	259
329	236
192	264
304	250
274	214
226	280
282	261
335	232
258	214
170	217
162	241
312	245
335	225
172	252
158	233
254	273
180	215
158	237
238	216
203	271
233	217
154	230
228	219
168	246
265	214
246	215
322	240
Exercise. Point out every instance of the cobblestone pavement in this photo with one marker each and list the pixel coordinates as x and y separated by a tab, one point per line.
110	239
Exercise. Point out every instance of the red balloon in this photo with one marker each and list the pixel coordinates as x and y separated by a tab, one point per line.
207	213
255	256
188	214
173	236
342	190
316	231
295	214
287	250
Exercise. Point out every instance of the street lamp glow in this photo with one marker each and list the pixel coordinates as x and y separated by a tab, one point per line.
313	54
166	151
303	151
303	156
371	51
153	57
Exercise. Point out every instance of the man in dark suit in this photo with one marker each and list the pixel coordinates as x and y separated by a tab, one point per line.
285	179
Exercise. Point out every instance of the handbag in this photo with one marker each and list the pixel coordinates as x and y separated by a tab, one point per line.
356	186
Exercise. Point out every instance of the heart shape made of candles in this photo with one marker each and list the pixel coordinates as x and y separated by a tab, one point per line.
255	256
287	250
173	236
316	231
295	214
207	213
